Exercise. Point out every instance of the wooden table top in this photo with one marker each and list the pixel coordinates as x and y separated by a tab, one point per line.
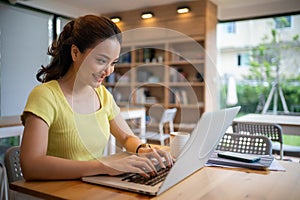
7	121
267	118
208	183
15	120
290	124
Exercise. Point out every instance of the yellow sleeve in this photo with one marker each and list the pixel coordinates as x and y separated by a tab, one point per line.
41	102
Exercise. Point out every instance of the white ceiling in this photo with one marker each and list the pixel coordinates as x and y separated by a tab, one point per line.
227	9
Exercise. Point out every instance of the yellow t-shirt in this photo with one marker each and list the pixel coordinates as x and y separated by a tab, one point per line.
71	135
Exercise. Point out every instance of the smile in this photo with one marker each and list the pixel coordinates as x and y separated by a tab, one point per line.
98	78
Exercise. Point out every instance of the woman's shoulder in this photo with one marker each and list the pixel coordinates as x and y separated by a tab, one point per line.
48	85
46	88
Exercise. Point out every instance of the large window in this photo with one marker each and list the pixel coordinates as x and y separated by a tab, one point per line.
283	22
261	53
25	36
230	27
23	49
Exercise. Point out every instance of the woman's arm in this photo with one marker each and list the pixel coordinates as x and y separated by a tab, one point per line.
36	164
120	129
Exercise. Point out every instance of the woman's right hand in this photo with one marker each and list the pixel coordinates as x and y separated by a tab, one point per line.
130	164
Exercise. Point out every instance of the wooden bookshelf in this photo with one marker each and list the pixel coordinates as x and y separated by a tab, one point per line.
164	66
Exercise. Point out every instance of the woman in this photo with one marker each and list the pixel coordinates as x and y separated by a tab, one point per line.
69	117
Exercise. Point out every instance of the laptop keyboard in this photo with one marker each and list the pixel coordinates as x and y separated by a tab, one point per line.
153	180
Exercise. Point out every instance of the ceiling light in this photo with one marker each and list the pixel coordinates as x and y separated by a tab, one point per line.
115	19
147	15
184	9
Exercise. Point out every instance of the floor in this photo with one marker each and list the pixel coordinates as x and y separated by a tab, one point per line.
289	158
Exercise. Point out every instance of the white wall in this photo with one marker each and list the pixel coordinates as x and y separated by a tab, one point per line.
23	48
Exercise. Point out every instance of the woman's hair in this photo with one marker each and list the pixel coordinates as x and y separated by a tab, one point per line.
84	32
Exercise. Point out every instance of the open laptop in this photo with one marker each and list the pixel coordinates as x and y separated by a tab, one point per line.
203	141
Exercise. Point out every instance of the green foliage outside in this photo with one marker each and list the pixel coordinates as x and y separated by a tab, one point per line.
266	61
249	96
5	143
266	68
10	141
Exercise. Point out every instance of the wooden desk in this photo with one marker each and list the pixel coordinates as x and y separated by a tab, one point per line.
211	183
11	126
8	121
290	124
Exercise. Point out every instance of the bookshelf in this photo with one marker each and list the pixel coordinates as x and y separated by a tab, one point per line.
168	65
162	74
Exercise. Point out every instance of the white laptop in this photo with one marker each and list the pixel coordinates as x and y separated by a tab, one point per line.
203	141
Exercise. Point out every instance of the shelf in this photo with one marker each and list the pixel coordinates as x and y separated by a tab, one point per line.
122	65
186	84
148	104
183	62
168	66
152	64
200	105
149	84
118	84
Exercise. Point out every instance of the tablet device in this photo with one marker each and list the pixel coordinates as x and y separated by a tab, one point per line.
239	156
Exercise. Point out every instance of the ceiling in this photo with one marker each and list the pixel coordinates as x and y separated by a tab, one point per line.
227	9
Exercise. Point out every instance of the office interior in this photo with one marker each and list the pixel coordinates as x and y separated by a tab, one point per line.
189	83
25	37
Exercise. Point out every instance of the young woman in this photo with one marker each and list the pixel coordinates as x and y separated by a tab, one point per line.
69	117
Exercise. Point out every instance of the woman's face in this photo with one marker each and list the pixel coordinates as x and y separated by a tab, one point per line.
97	63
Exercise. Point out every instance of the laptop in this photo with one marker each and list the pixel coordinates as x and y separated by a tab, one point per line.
198	149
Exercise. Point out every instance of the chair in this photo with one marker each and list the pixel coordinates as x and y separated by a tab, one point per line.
288	150
14	173
272	131
248	144
12	164
3	183
167	116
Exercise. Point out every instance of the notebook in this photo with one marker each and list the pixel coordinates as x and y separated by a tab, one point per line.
263	163
198	149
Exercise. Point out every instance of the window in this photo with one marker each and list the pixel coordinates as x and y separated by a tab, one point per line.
23	48
230	27
283	22
243	59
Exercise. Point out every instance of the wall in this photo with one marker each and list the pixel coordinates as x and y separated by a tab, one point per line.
23	48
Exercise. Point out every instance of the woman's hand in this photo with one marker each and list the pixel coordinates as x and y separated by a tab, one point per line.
160	156
130	164
143	163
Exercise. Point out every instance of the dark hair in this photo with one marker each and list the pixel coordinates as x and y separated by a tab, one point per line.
84	32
